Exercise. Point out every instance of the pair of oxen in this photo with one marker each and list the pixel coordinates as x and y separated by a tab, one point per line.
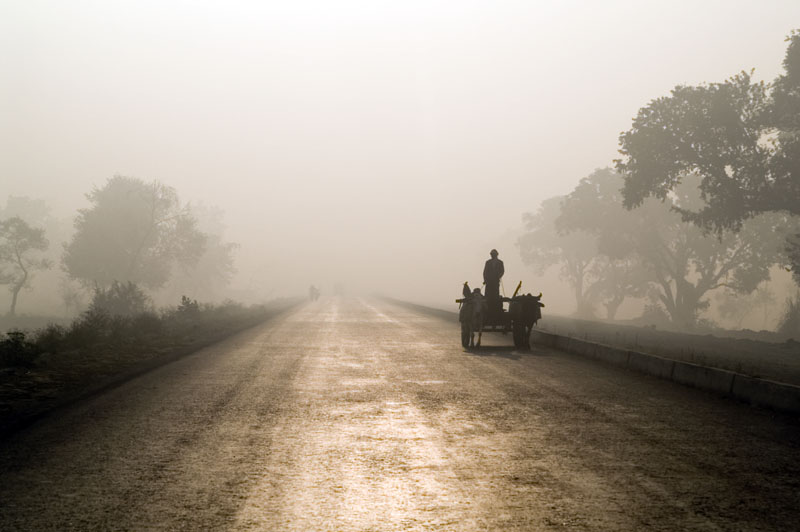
476	310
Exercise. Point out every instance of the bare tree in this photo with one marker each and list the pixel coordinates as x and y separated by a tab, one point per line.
18	244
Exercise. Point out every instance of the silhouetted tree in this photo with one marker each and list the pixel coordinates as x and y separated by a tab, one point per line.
681	263
594	208
214	267
18	244
741	139
594	277
542	247
135	232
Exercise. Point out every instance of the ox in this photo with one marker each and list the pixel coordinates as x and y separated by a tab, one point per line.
472	313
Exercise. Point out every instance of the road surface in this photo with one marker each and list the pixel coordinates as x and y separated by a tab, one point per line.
356	414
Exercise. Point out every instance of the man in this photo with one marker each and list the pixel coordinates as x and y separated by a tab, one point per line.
492	273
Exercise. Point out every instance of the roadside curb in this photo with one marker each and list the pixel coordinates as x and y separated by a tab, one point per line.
759	392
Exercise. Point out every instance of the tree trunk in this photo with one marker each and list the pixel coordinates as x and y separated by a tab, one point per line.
687	302
612	307
14	294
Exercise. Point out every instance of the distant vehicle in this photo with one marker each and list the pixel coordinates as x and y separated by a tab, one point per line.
478	314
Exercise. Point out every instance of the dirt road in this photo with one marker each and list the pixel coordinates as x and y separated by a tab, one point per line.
354	414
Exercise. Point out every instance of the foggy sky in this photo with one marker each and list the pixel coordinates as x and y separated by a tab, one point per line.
386	145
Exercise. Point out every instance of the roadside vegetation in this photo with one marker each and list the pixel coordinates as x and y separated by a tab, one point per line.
120	332
134	244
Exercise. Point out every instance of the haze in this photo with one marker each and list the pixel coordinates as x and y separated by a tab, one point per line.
386	146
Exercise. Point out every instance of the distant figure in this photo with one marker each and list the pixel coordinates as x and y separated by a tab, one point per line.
313	293
492	273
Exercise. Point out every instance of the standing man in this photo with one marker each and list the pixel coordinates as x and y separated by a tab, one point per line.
492	273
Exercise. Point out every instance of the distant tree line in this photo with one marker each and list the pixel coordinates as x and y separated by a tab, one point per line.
608	253
705	196
134	235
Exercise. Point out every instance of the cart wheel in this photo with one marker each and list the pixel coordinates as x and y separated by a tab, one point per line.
464	335
518	330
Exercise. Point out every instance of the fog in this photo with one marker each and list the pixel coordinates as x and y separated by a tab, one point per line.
383	146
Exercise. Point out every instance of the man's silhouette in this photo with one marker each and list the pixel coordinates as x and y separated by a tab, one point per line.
492	273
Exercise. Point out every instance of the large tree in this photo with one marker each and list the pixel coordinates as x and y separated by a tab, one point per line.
542	247
739	138
594	277
134	231
681	263
19	243
214	268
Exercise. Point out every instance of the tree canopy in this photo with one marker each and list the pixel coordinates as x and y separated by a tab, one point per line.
214	267
133	231
595	278
651	250
739	138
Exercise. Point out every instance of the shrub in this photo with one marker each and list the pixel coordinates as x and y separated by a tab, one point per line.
121	299
146	324
118	329
50	339
16	350
188	306
89	329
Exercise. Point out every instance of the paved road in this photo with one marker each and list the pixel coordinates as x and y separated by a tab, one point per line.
354	414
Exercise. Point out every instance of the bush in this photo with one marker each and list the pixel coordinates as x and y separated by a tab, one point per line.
16	350
188	306
50	339
121	300
88	330
146	324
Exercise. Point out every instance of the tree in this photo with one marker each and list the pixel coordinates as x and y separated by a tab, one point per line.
214	267
18	242
593	207
542	247
740	139
680	262
738	308
594	277
133	232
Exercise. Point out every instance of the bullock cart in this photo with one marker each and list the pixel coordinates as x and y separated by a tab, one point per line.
516	314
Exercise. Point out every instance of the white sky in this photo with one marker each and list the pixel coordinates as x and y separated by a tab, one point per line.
403	137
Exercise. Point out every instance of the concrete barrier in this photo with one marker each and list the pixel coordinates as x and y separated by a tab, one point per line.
543	338
651	365
612	355
562	342
762	392
582	347
711	379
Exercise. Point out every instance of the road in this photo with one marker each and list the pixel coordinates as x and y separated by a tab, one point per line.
356	414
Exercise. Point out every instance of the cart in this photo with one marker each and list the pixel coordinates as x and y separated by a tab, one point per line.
516	314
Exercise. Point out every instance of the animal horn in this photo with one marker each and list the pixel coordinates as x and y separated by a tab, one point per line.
540	294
